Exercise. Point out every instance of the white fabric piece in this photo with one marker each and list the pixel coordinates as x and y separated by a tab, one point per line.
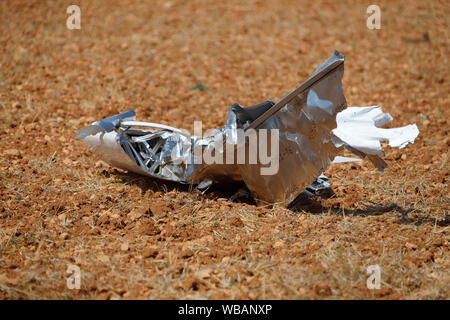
357	127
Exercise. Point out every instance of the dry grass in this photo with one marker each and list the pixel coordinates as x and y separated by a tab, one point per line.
60	206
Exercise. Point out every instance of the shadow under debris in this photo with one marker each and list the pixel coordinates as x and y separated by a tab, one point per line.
306	201
233	191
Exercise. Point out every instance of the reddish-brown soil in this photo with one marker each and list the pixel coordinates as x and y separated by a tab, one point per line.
134	237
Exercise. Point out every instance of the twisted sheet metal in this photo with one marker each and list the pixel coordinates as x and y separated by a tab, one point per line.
309	139
305	119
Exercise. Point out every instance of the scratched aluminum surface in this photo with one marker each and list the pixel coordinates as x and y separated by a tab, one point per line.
306	148
164	154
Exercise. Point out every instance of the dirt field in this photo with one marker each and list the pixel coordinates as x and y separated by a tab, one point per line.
134	237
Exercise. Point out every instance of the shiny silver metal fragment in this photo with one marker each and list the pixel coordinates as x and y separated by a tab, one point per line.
309	139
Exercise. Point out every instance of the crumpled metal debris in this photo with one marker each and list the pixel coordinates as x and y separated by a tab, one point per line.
313	126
